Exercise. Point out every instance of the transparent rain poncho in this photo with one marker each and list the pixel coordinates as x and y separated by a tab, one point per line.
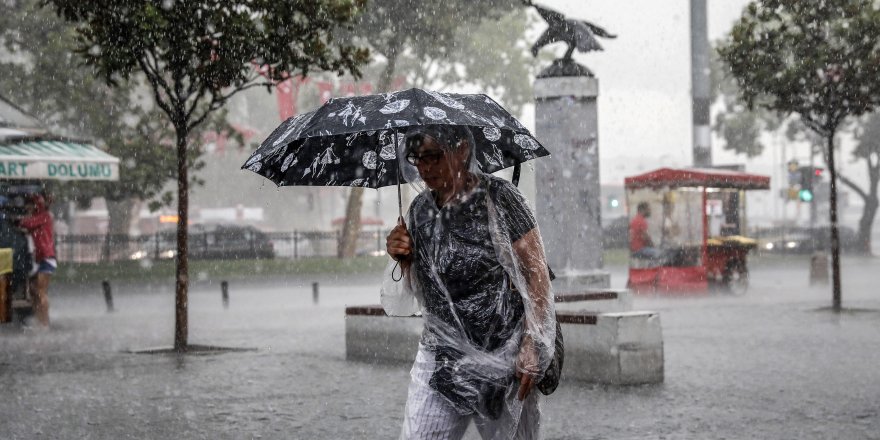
480	280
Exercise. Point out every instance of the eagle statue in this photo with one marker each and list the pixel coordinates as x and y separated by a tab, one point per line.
578	34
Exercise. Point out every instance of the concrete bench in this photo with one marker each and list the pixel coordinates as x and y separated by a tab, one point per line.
624	348
595	300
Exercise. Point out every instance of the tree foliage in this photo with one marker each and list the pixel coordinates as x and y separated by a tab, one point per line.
45	77
424	30
194	52
818	59
441	44
196	55
739	126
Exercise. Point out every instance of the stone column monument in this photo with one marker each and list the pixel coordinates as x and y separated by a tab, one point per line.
567	183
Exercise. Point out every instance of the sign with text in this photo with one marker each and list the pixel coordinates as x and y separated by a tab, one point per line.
58	170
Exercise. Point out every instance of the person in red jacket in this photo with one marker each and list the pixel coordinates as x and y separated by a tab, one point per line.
38	223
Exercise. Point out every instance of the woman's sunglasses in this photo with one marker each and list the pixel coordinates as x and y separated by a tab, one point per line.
432	158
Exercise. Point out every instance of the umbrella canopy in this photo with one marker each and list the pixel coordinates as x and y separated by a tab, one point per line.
355	141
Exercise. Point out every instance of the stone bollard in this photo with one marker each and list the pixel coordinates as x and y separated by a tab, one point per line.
224	293
819	268
315	292
108	295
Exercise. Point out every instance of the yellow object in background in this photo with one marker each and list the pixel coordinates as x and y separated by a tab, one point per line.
5	261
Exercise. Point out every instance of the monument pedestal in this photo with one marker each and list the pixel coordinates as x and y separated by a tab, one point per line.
567	183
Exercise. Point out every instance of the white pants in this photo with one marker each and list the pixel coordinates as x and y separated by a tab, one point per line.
428	415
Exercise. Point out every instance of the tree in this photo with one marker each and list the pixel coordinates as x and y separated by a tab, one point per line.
196	55
867	149
741	129
814	58
441	42
47	80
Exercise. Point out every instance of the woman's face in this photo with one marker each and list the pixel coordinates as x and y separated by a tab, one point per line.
439	167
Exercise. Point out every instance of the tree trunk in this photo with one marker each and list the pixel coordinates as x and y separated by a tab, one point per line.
120	214
866	223
182	270
835	234
351	228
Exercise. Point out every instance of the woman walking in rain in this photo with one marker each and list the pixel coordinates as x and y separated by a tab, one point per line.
473	263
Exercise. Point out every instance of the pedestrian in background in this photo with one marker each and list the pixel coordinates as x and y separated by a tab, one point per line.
38	222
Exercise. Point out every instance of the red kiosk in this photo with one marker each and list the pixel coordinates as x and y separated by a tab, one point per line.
690	224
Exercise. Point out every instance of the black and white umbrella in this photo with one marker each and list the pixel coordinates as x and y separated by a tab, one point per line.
355	141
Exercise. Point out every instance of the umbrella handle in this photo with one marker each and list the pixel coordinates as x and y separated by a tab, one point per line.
399	197
393	269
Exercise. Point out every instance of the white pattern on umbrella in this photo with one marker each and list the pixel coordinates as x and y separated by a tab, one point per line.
319	165
295	124
434	113
351	138
358	182
369	160
255	167
349	115
394	107
492	134
526	142
288	162
493	159
446	100
478	117
498	121
254	158
388	151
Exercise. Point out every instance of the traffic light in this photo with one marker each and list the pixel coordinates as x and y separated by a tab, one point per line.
805	195
810	177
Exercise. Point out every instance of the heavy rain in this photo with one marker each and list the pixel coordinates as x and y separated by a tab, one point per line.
504	219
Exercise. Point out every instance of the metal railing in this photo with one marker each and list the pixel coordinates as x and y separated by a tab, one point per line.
207	245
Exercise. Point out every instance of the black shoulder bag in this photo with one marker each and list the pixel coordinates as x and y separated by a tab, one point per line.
550	381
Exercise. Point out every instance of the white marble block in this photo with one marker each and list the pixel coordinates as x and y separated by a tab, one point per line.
372	336
623	348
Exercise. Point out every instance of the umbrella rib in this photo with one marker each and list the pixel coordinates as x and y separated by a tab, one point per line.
399	197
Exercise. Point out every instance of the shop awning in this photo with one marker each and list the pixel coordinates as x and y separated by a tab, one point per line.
692	177
55	159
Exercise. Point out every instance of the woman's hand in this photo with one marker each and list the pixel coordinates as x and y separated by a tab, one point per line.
398	244
526	367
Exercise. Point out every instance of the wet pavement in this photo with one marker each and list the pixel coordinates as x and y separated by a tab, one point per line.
768	365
